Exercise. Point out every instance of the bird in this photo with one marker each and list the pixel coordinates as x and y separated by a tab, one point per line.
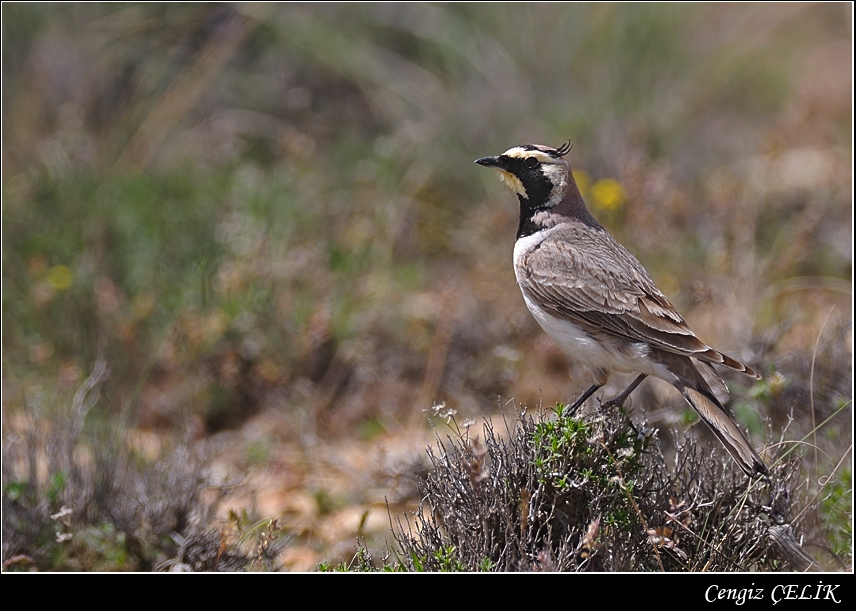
598	303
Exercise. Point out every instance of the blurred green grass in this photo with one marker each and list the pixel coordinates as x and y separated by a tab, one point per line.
258	207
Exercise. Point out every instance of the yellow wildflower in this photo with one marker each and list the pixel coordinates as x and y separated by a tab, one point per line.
60	277
608	194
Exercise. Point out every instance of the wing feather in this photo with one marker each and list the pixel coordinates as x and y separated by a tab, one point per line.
589	278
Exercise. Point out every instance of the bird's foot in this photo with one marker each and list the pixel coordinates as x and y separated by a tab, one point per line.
572	409
613	403
620	399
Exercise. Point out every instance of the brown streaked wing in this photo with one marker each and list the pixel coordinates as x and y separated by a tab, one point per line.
589	278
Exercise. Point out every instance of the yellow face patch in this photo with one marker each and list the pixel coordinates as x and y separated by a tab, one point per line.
512	182
555	170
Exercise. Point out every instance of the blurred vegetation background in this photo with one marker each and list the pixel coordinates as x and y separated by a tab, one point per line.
266	219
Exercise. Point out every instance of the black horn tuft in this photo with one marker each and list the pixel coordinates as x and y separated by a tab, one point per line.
564	149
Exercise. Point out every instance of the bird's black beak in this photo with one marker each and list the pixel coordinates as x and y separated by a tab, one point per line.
489	162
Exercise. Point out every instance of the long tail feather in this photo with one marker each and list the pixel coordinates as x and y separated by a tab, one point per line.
724	427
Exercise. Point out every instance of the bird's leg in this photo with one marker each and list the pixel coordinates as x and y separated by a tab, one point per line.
583	398
620	399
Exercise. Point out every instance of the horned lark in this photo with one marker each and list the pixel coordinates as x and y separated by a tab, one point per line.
597	302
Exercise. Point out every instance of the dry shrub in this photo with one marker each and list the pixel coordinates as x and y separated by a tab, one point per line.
593	494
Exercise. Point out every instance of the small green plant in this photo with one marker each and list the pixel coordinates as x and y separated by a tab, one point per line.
447	560
363	561
837	508
557	438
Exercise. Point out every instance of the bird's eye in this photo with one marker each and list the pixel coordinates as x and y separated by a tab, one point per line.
531	162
